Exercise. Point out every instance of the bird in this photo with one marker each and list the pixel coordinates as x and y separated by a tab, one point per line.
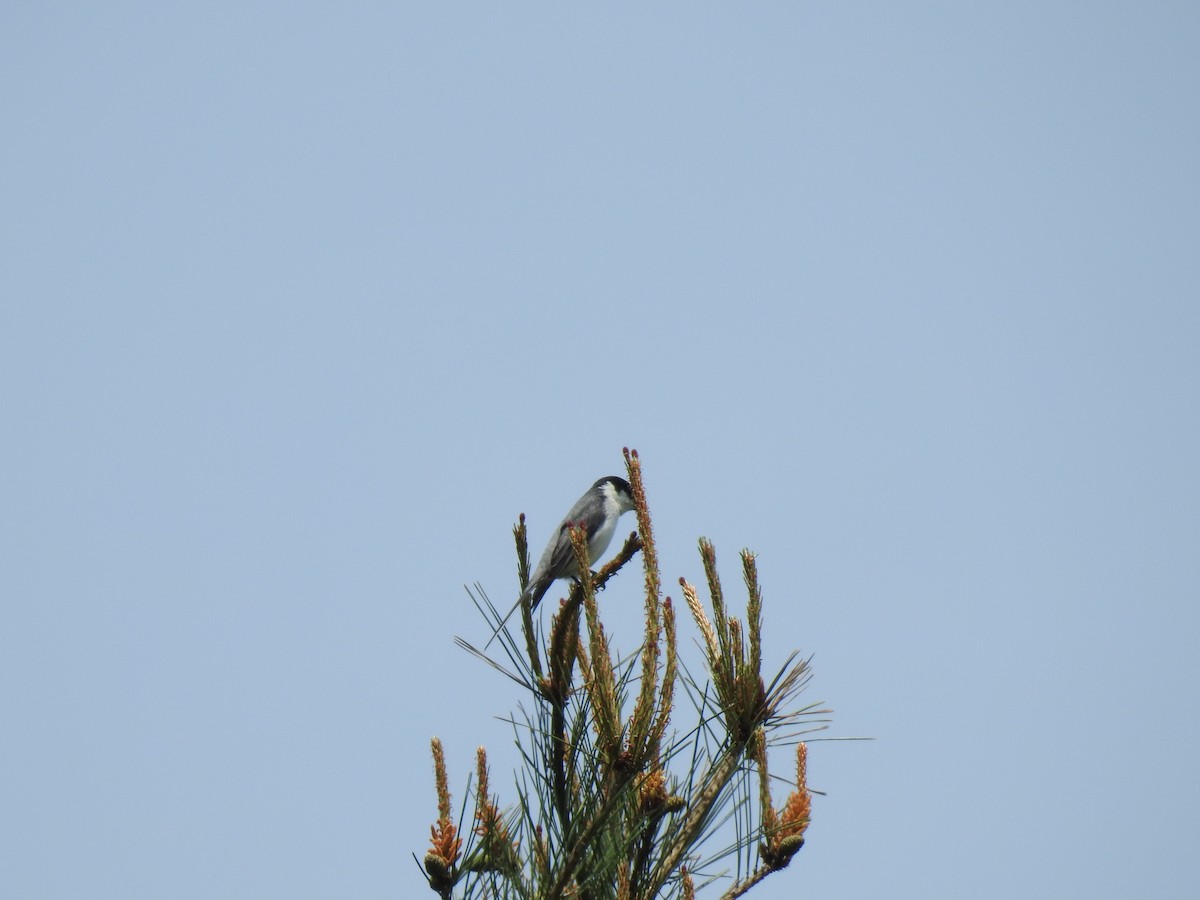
597	511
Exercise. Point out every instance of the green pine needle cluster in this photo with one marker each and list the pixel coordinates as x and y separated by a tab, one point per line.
615	799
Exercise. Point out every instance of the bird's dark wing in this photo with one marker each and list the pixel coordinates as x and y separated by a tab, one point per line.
563	560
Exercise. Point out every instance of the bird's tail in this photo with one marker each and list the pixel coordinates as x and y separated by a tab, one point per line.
534	591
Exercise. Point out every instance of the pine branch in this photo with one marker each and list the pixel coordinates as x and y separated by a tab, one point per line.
611	803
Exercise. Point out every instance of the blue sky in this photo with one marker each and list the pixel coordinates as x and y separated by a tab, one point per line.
300	308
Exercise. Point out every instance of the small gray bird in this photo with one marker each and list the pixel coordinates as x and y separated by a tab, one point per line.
598	511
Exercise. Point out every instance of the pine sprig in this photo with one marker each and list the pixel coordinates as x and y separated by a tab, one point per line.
611	802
